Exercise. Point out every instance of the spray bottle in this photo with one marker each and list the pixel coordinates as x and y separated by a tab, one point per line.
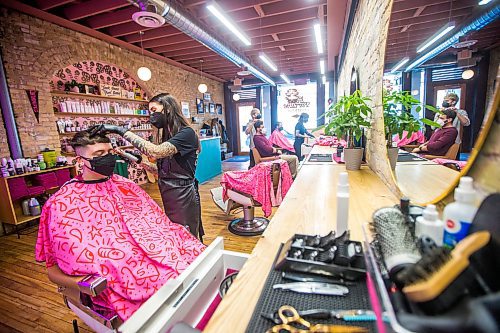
430	225
342	203
458	215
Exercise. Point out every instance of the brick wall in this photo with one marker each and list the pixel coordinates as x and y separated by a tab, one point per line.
365	52
33	50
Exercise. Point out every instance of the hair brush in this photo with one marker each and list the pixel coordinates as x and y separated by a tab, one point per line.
442	277
393	240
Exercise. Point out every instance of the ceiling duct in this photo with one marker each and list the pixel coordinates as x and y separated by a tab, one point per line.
149	16
175	15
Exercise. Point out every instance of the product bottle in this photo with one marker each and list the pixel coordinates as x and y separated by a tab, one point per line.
342	203
10	167
26	208
430	225
458	215
34	207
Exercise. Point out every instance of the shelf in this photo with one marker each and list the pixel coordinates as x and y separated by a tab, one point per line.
23	218
76	114
132	130
141	130
41	171
98	97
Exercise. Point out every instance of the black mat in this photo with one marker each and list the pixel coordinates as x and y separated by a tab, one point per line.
409	158
271	300
321	158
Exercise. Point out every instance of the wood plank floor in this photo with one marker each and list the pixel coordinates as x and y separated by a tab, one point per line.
29	301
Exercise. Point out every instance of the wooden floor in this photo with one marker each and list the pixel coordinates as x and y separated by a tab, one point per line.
29	301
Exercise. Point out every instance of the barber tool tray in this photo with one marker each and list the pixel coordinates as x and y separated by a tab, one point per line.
328	255
321	158
314	303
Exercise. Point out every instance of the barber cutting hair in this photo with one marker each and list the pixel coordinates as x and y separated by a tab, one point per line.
176	160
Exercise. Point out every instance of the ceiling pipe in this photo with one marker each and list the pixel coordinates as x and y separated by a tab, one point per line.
475	24
177	16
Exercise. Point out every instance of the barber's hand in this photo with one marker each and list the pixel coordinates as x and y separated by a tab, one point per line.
107	129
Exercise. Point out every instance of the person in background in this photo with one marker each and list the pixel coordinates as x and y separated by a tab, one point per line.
250	131
266	149
330	101
441	140
176	160
279	140
300	134
103	224
223	133
450	102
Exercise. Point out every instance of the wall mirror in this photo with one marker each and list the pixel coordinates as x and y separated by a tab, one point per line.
438	51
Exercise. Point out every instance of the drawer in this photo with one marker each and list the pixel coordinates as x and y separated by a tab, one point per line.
186	298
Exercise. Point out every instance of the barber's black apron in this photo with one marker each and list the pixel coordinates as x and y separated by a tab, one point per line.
180	196
297	145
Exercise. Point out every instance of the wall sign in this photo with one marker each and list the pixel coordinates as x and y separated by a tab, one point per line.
33	97
218	108
206	96
110	91
199	106
294	100
211	107
185	109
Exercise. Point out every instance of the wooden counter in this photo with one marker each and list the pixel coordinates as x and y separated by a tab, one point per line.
309	207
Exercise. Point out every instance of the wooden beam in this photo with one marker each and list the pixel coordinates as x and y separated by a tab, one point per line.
126	29
177	39
177	47
49	4
259	10
164	31
92	7
109	19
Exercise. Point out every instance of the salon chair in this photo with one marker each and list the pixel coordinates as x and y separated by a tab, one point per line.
101	320
451	154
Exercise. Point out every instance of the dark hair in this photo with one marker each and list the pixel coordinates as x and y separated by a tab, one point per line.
452	96
83	139
175	121
303	116
277	124
450	114
258	124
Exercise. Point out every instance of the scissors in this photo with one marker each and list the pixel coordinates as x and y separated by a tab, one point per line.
318	288
289	315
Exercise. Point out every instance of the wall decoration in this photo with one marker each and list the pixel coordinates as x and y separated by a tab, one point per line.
294	100
211	107
33	97
205	107
206	96
218	108
199	106
110	91
185	109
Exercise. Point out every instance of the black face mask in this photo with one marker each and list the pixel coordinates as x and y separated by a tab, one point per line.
103	165
280	128
258	116
446	104
157	119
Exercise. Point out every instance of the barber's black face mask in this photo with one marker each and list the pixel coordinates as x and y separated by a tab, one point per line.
103	165
280	128
157	119
446	104
258	116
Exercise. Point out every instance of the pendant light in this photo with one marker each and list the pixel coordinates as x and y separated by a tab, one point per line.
143	72
202	87
236	97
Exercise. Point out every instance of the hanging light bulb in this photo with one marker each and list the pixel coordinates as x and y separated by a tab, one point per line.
236	97
143	72
467	74
202	88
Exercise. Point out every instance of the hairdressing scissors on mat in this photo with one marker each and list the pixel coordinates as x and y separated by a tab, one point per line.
289	316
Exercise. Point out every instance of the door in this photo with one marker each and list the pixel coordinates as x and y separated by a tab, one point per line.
243	111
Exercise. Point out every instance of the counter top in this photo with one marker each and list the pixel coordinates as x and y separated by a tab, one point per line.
309	207
202	138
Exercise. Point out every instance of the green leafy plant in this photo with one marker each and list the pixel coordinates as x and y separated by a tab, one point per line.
348	117
396	122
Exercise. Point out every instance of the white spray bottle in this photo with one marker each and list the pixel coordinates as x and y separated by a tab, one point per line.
430	225
342	203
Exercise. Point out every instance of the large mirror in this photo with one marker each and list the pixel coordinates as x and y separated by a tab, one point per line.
440	56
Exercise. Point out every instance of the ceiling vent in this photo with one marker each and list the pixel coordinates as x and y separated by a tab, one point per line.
465	43
149	18
244	72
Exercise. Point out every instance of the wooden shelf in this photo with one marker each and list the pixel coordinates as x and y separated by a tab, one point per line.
132	130
98	97
76	114
23	218
41	171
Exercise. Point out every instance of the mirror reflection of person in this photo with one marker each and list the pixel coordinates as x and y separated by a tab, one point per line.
266	149
450	102
300	134
176	160
279	140
443	138
250	131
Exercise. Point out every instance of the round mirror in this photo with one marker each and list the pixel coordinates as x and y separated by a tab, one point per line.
438	82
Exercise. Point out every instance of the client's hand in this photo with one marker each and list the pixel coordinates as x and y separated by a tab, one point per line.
103	129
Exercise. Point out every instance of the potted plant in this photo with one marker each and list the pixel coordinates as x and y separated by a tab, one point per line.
397	122
347	118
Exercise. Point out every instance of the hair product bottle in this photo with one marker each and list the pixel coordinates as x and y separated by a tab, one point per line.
343	203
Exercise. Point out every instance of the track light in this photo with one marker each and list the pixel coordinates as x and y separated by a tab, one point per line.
285	78
322	66
400	64
319	41
467	74
484	2
440	33
323	79
268	62
217	11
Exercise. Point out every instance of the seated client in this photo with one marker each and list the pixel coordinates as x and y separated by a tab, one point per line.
104	224
443	138
266	149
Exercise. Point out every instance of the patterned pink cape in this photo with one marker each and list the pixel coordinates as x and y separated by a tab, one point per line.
329	141
114	229
442	161
417	137
257	182
278	139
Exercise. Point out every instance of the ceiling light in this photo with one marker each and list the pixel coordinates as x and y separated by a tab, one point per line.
467	74
415	92
319	41
440	33
202	88
354	77
484	2
400	64
322	67
144	73
285	78
214	9
236	97
324	79
268	62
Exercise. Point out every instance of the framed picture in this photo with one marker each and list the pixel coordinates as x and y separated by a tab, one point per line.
211	107
206	107
218	108
185	109
199	106
206	96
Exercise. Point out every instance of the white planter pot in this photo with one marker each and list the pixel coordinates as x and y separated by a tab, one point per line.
352	158
392	153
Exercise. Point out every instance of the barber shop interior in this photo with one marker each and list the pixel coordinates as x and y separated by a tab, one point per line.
250	166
